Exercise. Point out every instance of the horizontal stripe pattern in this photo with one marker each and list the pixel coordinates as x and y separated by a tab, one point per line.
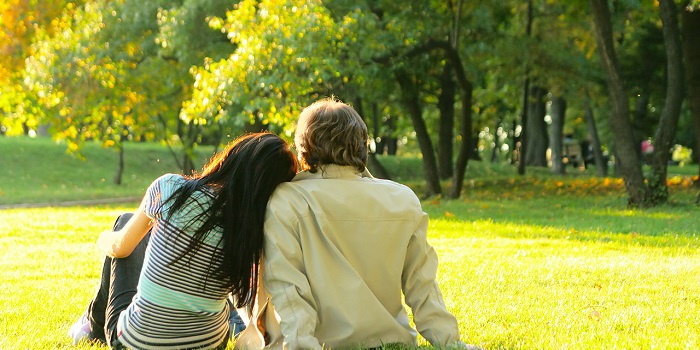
178	304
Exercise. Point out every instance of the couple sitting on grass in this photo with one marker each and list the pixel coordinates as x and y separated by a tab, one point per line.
339	249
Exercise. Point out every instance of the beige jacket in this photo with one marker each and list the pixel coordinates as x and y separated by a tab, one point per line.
340	249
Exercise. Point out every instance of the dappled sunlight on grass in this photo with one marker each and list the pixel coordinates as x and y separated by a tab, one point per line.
639	213
630	235
529	187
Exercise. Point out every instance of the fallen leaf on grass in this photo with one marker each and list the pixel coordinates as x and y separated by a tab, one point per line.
594	315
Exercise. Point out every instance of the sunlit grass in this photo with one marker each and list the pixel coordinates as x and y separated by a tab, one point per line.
49	266
526	262
516	276
532	287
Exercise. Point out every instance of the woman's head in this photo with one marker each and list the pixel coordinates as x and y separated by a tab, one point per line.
331	132
257	162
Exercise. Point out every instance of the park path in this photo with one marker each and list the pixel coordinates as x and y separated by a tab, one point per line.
87	202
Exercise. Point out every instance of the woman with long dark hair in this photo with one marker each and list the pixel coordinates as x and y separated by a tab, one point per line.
192	243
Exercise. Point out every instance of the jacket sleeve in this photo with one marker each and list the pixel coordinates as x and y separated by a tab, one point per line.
422	293
286	281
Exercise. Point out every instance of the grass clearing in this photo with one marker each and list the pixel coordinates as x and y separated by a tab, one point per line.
39	170
534	262
544	284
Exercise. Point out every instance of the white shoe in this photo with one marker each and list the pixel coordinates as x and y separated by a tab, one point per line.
80	329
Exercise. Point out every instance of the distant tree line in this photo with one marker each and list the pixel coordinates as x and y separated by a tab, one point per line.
503	81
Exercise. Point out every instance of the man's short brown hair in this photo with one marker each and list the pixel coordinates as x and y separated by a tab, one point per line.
331	132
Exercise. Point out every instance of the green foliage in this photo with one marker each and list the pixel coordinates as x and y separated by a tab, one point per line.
120	70
283	60
681	155
21	23
84	90
189	72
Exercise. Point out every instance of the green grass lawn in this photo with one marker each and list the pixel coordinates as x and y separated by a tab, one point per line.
534	262
40	170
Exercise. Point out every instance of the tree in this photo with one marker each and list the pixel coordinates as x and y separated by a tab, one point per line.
84	93
284	59
641	194
525	108
666	130
691	50
412	102
536	128
20	22
446	102
557	134
117	71
619	117
600	163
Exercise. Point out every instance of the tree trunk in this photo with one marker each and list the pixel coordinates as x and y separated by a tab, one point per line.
691	52
379	143
256	126
378	169
522	149
120	164
496	145
620	125
188	133
537	139
557	134
600	163
166	139
389	138
465	147
411	100
446	106
641	110
663	138
219	136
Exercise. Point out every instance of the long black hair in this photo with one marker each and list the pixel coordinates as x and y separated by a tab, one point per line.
242	178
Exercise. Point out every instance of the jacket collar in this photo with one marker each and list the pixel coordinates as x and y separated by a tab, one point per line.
333	171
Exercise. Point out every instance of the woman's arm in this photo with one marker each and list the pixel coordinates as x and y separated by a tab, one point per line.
120	244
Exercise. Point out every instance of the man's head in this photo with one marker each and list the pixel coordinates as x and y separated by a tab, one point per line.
331	132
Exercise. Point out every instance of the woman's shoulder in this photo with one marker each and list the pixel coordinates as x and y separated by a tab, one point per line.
166	184
170	179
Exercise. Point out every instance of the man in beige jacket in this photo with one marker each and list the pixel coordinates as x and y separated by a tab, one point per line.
341	247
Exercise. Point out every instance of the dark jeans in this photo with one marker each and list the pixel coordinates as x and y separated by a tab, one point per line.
118	283
117	288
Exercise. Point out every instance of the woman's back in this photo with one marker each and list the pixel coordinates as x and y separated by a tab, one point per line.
179	304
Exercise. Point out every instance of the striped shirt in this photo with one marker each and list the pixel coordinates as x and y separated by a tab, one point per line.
178	305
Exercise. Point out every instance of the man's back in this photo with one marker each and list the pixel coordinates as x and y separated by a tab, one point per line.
339	250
